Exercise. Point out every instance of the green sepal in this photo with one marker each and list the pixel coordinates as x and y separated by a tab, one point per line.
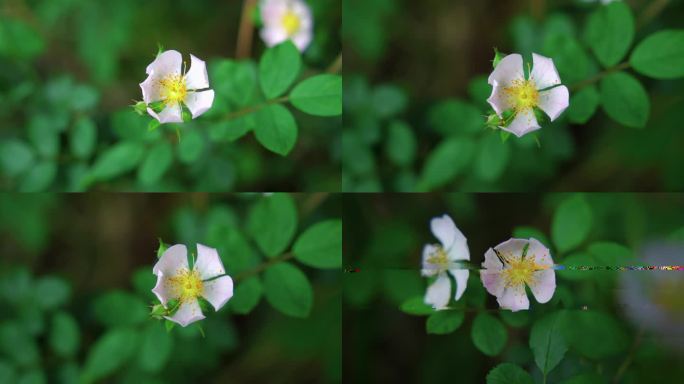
498	56
186	115
172	307
493	121
504	135
205	306
168	324
162	247
152	125
160	48
542	118
156	106
158	311
140	108
507	117
256	17
201	331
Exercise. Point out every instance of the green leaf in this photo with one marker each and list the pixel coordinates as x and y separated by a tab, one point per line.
278	68
388	100
44	135
660	55
156	163
492	158
595	335
320	246
625	100
233	82
117	160
15	156
609	32
247	296
583	105
276	129
82	137
401	144
444	322
585	378
446	162
507	373
571	223
39	178
64	335
288	290
191	147
547	342
51	292
455	117
19	40
155	348
606	253
319	95
109	353
515	319
574	260
116	308
416	306
18	345
272	223
488	334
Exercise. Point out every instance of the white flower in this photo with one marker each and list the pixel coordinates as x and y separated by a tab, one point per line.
514	263
286	19
167	83
439	258
511	91
175	280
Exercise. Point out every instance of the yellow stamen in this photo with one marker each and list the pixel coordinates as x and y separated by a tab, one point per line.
438	259
291	23
520	270
186	285
173	89
522	94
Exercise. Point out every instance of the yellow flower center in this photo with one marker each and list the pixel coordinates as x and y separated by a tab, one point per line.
173	89
439	259
520	271
522	94
291	23
187	285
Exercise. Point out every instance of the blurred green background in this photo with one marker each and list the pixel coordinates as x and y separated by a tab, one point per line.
416	89
75	281
383	237
69	69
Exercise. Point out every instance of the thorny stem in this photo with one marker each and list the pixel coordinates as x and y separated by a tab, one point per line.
577	86
244	41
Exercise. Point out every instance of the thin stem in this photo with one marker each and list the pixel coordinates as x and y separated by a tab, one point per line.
630	356
254	108
599	76
336	65
245	33
261	267
652	10
313	202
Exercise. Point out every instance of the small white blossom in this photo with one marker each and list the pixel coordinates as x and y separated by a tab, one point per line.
512	91
439	258
175	280
286	19
513	264
167	83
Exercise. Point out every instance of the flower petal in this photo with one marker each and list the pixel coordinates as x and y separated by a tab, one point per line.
162	290
199	102
499	100
150	89
197	77
461	277
272	35
493	282
302	39
543	285
208	263
437	294
509	68
554	101
540	253
523	123
188	312
168	62
429	269
272	11
174	259
445	230
218	291
544	72
491	261
512	249
514	298
170	114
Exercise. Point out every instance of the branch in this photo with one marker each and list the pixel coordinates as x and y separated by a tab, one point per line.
599	76
261	267
244	42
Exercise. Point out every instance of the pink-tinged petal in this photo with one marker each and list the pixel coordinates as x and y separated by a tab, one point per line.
218	291
461	277
272	11
167	63
162	290
429	269
445	231
150	89
523	123
514	298
437	294
544	73
197	77
541	254
302	39
492	262
208	263
199	102
511	249
459	250
273	35
554	101
173	260
170	114
499	101
510	68
493	282
188	312
543	285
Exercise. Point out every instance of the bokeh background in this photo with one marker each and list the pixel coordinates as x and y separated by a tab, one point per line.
415	76
76	268
636	317
69	66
